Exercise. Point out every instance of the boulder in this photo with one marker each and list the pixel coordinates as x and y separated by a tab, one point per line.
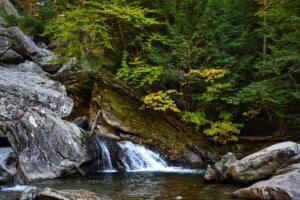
7	55
19	90
48	147
7	164
260	165
26	66
263	164
219	171
9	8
31	107
284	186
23	45
52	194
192	159
11	57
52	68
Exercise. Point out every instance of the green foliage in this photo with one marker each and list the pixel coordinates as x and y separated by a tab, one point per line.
138	73
96	28
198	119
237	58
223	131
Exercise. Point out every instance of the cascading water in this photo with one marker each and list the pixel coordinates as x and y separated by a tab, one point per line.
105	157
136	158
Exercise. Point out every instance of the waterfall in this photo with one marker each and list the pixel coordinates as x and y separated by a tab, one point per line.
138	158
135	158
104	158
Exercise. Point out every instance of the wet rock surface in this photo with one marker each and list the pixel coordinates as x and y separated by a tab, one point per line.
51	194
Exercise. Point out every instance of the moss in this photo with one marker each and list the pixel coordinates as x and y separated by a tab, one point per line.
154	129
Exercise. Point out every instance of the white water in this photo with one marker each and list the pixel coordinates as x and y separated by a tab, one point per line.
17	188
105	157
137	158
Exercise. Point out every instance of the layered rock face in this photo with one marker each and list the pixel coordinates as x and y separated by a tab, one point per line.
31	110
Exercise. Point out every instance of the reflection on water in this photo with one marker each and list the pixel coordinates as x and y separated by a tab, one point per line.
146	186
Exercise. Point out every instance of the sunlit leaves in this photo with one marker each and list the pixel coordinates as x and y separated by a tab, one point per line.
161	101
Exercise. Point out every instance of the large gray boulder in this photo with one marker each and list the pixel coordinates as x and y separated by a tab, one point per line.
260	165
19	90
284	186
48	147
31	107
263	164
7	164
26	66
14	39
16	47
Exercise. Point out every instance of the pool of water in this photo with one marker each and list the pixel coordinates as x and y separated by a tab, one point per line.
146	186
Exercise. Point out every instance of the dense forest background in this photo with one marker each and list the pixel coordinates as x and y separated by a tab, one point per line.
225	67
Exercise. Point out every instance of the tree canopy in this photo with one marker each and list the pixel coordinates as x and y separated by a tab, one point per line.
219	65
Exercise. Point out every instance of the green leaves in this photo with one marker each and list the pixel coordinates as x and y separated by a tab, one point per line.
237	58
198	119
138	72
95	28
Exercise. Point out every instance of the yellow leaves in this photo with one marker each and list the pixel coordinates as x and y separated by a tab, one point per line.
209	75
161	101
223	131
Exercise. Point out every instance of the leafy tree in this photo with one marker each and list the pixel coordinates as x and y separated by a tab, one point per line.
235	57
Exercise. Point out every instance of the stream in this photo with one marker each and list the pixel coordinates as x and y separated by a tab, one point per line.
147	176
143	186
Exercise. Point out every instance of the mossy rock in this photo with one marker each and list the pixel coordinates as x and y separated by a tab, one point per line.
161	131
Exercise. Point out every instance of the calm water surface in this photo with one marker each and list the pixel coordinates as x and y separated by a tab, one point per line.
142	186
